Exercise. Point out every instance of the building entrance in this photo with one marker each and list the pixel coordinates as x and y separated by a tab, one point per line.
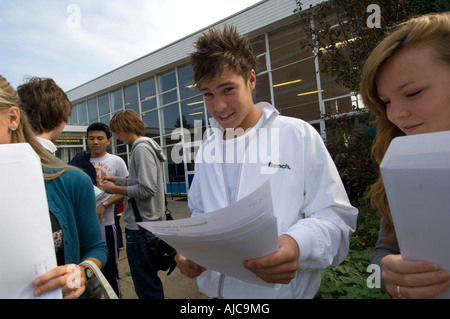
71	141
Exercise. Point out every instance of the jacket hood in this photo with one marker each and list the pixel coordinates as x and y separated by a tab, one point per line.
150	142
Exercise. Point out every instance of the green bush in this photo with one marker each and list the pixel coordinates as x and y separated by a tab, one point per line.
349	279
350	150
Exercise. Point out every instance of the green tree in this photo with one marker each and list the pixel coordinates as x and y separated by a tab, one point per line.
346	31
351	153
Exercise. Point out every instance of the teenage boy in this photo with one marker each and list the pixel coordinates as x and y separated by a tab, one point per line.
48	109
105	164
314	216
146	185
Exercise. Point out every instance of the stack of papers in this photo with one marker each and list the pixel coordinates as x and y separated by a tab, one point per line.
223	239
26	234
416	175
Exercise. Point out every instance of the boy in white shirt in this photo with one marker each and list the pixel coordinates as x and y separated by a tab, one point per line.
314	216
105	164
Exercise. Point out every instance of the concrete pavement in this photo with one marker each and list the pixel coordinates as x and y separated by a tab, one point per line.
176	285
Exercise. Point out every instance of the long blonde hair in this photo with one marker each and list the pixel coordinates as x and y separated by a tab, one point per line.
24	133
433	29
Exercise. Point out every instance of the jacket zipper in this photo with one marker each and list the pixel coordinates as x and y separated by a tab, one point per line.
268	120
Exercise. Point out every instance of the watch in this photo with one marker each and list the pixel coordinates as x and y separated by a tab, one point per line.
105	203
87	271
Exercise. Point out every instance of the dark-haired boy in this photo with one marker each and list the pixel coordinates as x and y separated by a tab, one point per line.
315	218
101	163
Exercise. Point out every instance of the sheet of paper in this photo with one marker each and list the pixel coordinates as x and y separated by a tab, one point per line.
223	239
416	174
27	249
100	195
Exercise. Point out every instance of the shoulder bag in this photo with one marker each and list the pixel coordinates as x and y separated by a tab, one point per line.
161	254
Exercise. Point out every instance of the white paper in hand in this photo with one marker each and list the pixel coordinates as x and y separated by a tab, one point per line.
416	175
26	235
223	239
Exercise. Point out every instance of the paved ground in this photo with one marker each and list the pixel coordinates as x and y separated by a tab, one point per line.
176	286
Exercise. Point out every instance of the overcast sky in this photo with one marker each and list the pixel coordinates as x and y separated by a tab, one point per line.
75	41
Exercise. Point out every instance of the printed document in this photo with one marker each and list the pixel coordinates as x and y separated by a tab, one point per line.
26	234
416	174
223	239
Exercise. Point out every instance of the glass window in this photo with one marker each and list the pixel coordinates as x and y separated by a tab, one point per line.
186	79
259	44
147	89
192	110
261	63
285	46
151	123
170	140
92	110
121	148
74	115
295	85
262	91
168	97
105	119
332	31
316	126
170	118
116	100
167	81
82	113
103	105
338	106
175	172
306	111
330	88
190	152
259	49
167	85
131	98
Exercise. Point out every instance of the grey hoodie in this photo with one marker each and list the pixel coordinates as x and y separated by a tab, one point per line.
145	182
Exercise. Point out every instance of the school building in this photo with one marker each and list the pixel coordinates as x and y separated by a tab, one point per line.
159	87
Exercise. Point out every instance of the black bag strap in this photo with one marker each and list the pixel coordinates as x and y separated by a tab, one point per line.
137	216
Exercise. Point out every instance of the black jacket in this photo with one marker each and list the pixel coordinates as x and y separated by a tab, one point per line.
83	162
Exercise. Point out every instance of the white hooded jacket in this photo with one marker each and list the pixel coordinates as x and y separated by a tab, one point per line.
310	202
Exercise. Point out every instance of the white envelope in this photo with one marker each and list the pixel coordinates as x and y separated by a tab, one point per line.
416	175
27	248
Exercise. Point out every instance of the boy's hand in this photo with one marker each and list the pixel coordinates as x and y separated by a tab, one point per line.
279	267
187	267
